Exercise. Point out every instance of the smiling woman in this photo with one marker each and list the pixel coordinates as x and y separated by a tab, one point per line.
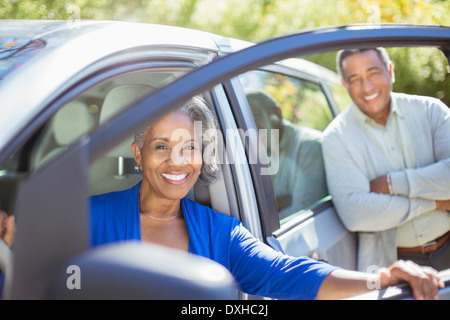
156	210
169	155
165	180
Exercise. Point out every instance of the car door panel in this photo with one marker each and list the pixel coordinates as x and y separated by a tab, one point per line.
320	236
51	222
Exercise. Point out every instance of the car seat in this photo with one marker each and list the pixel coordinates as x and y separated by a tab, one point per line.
115	171
69	123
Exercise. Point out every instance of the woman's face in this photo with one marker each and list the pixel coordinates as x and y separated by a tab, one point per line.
171	157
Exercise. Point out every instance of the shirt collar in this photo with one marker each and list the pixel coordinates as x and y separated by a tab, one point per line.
363	118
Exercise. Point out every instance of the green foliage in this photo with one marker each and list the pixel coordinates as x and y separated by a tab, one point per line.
256	20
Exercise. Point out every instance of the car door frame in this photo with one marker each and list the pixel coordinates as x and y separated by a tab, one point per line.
227	67
315	232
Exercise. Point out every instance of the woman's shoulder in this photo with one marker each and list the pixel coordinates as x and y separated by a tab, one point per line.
118	193
201	212
113	199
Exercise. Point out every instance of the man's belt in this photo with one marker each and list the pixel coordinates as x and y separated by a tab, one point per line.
428	247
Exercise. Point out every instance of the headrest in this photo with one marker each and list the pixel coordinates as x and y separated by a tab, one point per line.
115	101
71	122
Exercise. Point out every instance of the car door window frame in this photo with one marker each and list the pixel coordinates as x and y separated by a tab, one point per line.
229	66
322	83
308	43
258	56
263	185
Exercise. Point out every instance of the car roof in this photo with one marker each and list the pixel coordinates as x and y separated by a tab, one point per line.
68	47
65	31
65	48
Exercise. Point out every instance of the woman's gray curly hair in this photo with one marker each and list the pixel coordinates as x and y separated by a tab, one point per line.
197	109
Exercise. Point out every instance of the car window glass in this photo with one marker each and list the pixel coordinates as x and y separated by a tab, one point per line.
298	110
75	119
340	95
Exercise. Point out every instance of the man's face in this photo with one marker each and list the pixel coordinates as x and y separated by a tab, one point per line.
369	83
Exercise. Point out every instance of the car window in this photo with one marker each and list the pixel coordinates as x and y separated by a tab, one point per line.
291	114
76	118
341	96
302	102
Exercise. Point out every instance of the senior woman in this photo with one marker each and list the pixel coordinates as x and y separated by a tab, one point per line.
169	153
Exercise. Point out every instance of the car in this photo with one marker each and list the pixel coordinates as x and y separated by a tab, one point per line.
74	94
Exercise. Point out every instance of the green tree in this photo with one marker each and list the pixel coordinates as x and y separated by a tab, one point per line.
256	20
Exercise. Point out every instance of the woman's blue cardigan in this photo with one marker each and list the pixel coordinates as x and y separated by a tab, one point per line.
258	269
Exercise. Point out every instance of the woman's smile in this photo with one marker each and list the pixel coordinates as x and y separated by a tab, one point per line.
175	178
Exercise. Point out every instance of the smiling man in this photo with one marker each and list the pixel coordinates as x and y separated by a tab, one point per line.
387	161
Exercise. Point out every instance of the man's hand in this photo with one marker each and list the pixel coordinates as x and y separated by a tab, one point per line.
379	185
443	205
7	228
424	281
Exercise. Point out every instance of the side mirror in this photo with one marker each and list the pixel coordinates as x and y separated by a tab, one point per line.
135	270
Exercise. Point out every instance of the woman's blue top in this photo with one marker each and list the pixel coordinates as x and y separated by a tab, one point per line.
258	269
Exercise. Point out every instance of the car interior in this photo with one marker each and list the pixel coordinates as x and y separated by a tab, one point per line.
77	118
116	170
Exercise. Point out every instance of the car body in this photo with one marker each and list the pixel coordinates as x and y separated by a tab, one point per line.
74	93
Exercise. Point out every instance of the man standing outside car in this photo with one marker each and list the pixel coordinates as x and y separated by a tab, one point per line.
387	160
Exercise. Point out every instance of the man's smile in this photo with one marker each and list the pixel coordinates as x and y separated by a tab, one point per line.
371	97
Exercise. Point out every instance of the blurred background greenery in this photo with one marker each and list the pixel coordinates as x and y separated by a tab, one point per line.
420	71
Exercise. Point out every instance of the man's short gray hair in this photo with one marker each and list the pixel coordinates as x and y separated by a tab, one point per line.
197	109
382	53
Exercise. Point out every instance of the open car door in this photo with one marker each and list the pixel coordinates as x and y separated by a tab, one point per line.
72	163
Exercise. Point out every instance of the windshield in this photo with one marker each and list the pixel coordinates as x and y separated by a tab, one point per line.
16	51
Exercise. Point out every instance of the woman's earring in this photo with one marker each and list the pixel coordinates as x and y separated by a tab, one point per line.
137	168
